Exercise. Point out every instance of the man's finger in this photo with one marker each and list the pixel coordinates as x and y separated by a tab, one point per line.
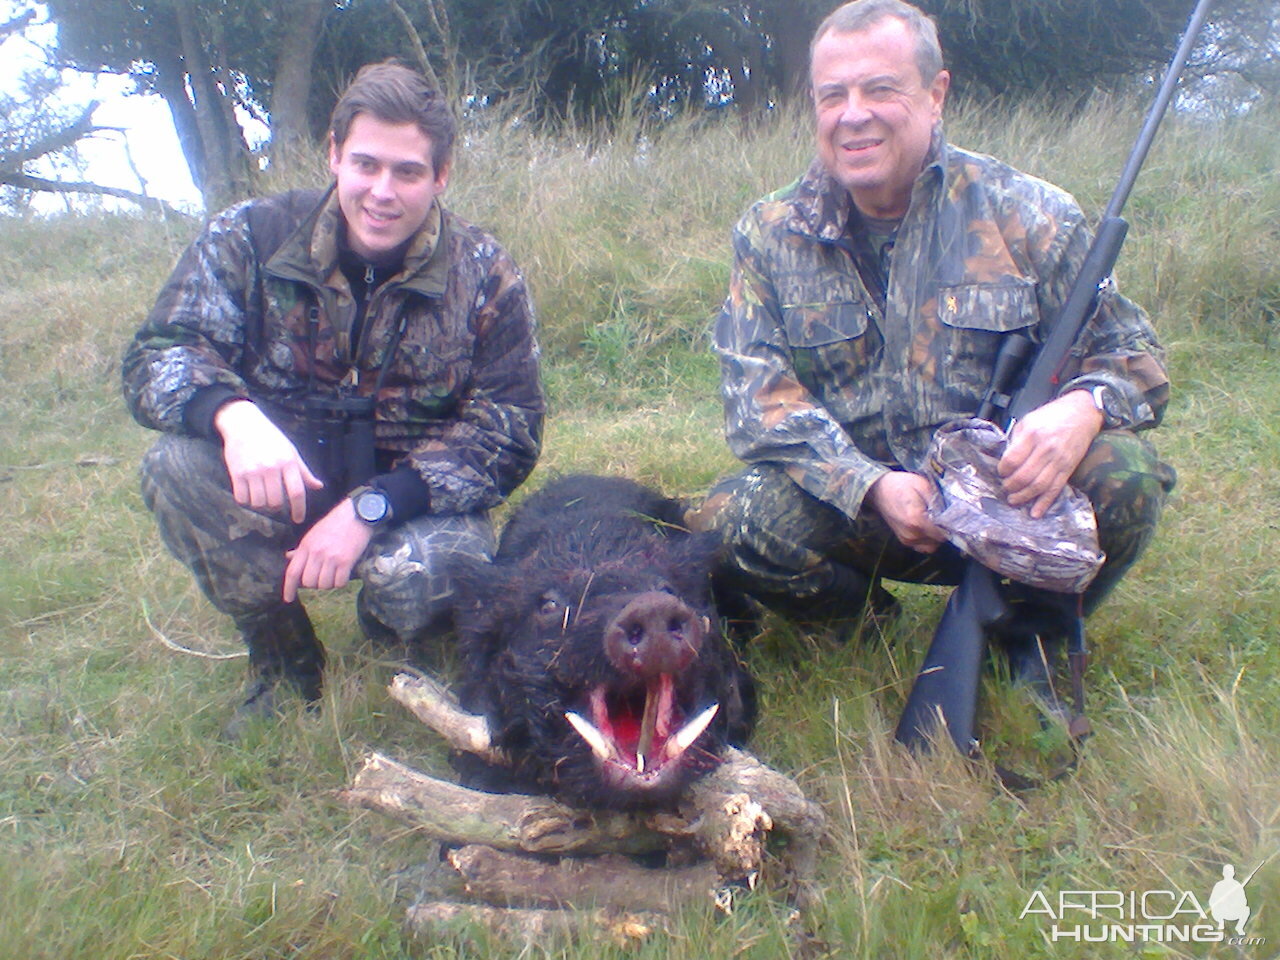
296	490
257	493
240	490
292	576
309	478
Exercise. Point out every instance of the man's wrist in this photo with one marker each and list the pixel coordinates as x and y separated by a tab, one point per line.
1089	406
232	413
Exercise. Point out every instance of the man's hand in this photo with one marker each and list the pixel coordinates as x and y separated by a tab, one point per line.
1045	447
902	498
265	467
326	555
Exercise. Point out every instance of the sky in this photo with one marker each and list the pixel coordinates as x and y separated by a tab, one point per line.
148	128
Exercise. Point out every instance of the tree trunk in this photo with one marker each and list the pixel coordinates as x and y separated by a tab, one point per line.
792	35
301	21
170	84
223	150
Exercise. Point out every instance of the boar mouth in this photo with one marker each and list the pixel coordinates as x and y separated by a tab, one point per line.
633	735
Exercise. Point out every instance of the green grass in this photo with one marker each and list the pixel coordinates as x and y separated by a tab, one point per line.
128	831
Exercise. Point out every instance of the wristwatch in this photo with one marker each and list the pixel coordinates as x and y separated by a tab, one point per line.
371	505
1104	398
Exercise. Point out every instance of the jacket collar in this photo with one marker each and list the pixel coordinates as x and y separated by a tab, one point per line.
820	207
311	252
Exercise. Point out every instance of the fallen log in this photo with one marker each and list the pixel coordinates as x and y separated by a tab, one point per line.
740	803
517	880
530	924
435	706
507	821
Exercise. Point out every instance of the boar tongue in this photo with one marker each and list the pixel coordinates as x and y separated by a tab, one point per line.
657	717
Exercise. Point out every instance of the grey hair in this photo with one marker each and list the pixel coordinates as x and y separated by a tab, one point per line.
864	14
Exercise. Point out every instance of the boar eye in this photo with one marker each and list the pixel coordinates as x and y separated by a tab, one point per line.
549	603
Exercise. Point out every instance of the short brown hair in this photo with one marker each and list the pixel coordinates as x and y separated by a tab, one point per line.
865	14
393	93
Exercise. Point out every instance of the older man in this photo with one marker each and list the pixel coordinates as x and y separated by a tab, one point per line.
867	303
347	381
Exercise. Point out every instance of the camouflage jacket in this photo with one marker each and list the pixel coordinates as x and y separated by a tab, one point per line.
816	377
258	306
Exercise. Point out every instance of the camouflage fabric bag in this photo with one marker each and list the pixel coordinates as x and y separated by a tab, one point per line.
1058	552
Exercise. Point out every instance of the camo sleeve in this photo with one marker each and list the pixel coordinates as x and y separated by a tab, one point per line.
194	336
1118	348
473	461
769	415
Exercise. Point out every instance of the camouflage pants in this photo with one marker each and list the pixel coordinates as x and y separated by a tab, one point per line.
238	554
784	546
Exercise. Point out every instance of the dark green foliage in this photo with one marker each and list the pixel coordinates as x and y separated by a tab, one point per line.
593	58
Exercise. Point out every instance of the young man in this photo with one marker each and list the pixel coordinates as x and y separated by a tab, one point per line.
346	381
867	304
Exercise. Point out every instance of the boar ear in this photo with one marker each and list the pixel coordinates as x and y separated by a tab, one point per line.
469	582
484	600
474	582
694	557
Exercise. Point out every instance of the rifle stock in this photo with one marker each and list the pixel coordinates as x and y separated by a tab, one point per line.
946	688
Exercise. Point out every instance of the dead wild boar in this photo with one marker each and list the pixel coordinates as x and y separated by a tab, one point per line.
593	647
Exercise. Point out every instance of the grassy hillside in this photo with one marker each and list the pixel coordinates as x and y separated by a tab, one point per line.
127	830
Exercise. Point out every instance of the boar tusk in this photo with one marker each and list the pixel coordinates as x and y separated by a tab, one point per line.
683	739
595	739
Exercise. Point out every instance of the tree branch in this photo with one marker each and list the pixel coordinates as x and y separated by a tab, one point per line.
22	181
17	24
53	142
507	821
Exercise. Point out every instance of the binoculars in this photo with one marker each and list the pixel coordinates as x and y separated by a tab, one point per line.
339	440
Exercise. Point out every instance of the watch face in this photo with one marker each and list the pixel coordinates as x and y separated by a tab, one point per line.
1104	400
371	506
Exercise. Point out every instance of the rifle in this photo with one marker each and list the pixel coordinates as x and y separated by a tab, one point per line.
946	688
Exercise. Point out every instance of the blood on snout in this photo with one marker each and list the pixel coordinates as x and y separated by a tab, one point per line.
655	633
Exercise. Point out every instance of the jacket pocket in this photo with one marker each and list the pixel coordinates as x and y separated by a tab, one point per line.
975	319
832	345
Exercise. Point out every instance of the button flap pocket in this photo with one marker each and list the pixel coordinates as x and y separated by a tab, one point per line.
996	307
818	324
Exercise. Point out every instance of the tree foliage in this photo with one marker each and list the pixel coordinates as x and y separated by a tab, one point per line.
218	62
213	61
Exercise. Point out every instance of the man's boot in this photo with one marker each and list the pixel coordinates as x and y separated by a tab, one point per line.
842	608
282	648
1032	637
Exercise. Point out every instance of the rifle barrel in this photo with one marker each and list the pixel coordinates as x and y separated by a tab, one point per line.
1155	114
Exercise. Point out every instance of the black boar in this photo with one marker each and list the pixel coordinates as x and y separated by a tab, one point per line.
593	648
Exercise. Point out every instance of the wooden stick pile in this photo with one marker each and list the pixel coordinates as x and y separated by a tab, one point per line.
537	865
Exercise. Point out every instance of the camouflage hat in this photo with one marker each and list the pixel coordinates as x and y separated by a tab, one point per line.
1058	552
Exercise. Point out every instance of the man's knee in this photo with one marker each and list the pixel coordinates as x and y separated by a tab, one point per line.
777	539
236	554
182	468
408	572
1127	484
